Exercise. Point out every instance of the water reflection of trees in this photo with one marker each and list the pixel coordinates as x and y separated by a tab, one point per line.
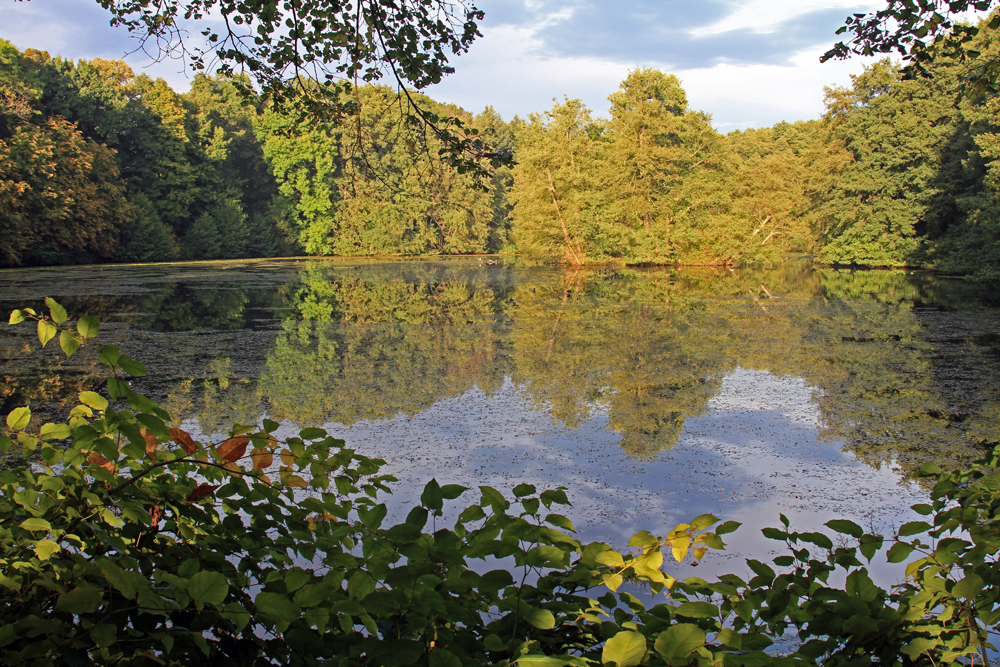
903	367
372	349
885	379
636	345
650	348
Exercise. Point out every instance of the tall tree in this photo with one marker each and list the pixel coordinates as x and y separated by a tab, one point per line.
655	143
556	191
896	130
60	196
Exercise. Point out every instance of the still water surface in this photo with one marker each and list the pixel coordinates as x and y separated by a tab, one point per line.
653	395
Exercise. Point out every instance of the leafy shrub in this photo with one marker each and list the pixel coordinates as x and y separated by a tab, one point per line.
127	542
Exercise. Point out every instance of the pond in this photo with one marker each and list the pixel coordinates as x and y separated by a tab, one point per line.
652	395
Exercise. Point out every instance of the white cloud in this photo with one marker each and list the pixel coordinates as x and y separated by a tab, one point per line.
742	96
513	68
767	15
508	69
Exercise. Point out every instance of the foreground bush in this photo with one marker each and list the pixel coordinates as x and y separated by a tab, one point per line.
125	542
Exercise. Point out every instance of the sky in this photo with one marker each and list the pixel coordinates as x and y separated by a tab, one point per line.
748	63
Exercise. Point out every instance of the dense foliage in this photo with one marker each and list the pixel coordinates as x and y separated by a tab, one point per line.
127	541
92	151
103	165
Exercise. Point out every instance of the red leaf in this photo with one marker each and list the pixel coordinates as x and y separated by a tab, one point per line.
182	438
202	490
261	459
98	460
151	442
233	449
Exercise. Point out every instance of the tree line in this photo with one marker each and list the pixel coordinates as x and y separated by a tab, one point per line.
100	164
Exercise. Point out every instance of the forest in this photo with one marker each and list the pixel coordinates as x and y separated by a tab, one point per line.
99	164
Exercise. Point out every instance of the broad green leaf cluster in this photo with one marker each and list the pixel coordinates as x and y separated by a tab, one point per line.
126	541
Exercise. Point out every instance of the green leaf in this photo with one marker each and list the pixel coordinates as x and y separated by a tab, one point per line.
611	558
494	643
774	534
819	539
697	610
131	366
919	646
452	491
969	587
493	498
208	587
678	641
81	600
18	418
117	388
235	612
34	523
45	548
522	490
373	517
94	400
540	618
16	317
109	355
431	497
547	661
928	469
560	521
360	585
46	331
913	528
557	496
276	607
704	521
55	431
625	649
845	527
899	552
104	634
189	568
88	326
441	658
68	343
128	583
312	595
296	578
56	312
870	544
312	434
727	527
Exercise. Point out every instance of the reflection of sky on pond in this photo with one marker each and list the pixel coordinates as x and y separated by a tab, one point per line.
754	454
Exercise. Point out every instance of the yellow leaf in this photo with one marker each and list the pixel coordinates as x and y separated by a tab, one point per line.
295	482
